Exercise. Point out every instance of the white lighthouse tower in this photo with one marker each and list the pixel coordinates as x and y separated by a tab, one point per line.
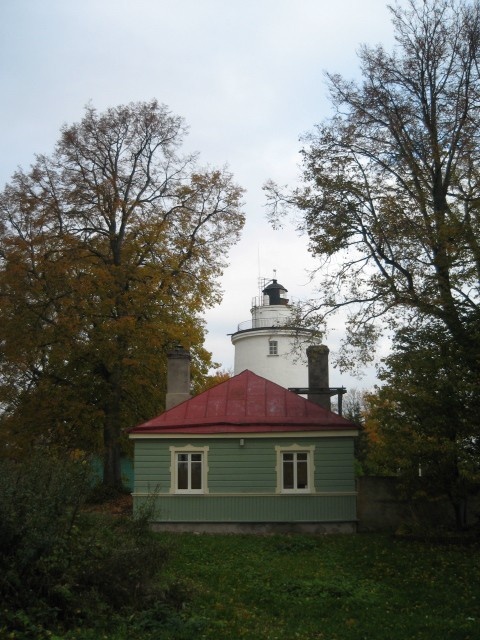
269	344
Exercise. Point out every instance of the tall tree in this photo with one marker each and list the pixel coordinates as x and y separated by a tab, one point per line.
423	422
391	198
110	249
354	409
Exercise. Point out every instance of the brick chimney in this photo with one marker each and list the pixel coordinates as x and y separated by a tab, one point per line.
178	377
317	356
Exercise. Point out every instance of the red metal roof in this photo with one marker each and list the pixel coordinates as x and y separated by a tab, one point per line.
246	403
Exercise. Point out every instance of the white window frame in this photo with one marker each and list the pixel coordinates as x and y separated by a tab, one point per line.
189	449
296	448
273	347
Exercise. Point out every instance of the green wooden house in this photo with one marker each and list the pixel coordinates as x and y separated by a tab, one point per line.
247	455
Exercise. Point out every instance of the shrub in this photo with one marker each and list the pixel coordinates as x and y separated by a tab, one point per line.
61	566
39	503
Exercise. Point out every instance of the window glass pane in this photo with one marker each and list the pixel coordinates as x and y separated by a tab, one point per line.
288	456
182	470
183	457
301	456
302	474
196	477
287	472
196	457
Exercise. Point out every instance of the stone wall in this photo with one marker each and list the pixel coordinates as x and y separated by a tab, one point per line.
380	508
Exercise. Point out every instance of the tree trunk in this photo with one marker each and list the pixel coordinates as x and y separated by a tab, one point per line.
112	474
460	508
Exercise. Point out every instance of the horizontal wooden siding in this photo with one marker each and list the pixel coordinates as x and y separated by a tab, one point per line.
237	472
250	468
250	508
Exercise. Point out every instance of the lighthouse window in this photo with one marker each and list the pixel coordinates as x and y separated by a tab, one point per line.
273	348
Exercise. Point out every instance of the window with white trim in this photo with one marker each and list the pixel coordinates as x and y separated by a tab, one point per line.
189	469
273	348
295	470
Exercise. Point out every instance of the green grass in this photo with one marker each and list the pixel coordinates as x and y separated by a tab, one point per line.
328	588
349	587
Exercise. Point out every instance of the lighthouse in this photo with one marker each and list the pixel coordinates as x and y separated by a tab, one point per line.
269	344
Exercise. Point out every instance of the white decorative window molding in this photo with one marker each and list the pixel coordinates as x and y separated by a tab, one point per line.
189	469
295	469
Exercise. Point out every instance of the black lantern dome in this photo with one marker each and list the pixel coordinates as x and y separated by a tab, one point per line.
276	293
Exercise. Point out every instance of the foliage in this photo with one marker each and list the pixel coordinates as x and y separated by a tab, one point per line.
392	184
219	376
110	249
61	567
423	422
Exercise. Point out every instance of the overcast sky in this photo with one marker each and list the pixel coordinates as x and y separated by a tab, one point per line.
247	76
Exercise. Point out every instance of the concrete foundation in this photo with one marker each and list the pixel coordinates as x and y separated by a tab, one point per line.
256	528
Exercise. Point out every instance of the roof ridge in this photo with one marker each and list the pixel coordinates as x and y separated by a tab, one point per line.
247	399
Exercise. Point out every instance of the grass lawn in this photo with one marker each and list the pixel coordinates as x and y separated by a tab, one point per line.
343	587
327	588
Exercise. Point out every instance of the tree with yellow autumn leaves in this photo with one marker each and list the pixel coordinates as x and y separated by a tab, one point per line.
110	250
